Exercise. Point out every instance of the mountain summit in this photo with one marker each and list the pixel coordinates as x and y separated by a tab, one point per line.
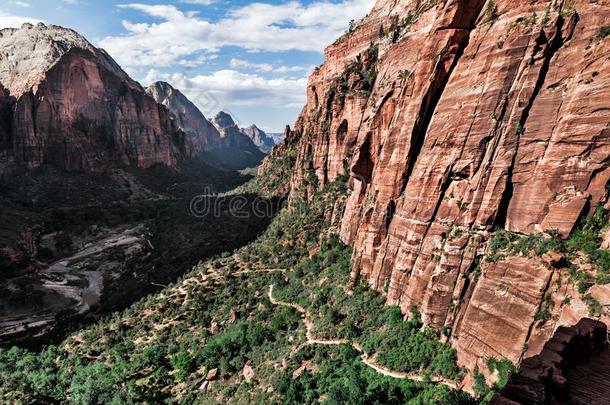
219	140
32	50
222	121
73	107
260	138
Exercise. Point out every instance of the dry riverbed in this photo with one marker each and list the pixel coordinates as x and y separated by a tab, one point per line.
32	305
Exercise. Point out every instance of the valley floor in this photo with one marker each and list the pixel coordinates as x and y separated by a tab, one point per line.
222	334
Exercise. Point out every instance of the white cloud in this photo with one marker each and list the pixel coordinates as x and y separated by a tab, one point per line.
236	63
261	67
229	88
255	27
202	2
14	21
293	69
24	4
169	13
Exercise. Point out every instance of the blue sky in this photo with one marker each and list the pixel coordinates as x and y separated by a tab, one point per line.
250	58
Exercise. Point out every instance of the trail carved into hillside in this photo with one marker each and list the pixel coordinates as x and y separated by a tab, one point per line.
311	340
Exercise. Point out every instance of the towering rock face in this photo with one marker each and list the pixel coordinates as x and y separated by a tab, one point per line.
73	107
263	141
453	118
201	133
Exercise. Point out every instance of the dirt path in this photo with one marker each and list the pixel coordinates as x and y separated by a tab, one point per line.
311	340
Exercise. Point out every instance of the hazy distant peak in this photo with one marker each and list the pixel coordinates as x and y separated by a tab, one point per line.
223	120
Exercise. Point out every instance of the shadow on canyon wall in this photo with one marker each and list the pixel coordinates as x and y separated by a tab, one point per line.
571	369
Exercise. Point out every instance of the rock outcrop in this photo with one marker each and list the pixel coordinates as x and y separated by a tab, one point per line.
231	134
73	107
238	150
452	119
263	141
551	376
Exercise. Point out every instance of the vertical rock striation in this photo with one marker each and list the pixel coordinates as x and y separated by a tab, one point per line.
454	118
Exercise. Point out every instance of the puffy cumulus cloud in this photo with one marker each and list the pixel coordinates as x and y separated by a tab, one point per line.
225	89
255	27
14	21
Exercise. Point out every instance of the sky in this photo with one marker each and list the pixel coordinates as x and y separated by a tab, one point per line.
248	58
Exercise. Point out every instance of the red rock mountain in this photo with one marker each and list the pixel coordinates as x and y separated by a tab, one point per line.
231	133
238	150
454	118
68	104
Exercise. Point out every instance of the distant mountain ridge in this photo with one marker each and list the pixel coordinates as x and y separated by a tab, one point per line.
189	118
260	138
68	104
217	137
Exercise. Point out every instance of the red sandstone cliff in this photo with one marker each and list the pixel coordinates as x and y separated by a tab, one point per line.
453	118
73	107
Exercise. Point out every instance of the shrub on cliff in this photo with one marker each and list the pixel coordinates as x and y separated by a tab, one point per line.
505	243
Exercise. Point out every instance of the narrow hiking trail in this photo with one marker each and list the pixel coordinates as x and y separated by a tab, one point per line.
311	340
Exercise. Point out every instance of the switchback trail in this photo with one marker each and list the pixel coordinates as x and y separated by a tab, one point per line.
311	340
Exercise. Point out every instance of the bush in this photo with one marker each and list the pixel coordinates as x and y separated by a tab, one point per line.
603	32
585	240
183	363
595	308
602	259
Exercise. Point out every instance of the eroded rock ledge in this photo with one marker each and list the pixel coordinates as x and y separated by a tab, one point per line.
546	378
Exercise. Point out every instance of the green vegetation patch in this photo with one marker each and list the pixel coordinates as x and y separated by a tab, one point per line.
321	285
342	378
505	243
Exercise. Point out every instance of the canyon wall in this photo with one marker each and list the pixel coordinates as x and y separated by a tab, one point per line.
452	119
74	108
